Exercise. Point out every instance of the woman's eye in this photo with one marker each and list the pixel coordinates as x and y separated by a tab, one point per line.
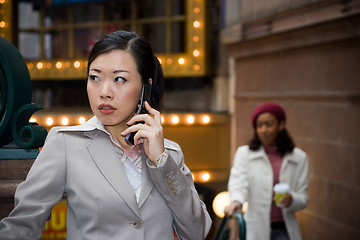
94	77
120	79
269	124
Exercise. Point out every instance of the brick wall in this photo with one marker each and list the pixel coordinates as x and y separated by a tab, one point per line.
12	172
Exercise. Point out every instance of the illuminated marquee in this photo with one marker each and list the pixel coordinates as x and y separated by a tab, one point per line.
189	63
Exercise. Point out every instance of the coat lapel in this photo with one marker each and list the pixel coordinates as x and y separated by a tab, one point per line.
146	182
289	159
259	154
104	156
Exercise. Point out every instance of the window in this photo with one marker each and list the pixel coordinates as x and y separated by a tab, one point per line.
55	35
59	30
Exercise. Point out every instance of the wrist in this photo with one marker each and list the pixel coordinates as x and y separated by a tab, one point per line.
160	160
239	205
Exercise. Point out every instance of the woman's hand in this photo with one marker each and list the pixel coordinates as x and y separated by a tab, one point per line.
286	200
235	206
150	132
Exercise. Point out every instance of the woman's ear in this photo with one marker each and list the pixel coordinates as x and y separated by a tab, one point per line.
150	81
282	125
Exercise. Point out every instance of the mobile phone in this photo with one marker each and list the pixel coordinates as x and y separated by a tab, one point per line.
145	96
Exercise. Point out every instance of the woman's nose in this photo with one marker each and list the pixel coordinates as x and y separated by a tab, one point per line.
262	129
106	91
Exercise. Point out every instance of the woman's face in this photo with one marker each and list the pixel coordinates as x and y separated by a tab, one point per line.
267	128
114	87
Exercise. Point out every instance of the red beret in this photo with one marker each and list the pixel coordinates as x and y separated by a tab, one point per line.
269	107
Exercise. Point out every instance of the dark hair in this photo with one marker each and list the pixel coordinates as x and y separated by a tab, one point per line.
147	63
284	142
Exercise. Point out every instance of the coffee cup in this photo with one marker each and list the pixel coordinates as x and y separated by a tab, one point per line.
280	190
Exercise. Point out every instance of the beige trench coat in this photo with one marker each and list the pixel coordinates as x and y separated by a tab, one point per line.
251	179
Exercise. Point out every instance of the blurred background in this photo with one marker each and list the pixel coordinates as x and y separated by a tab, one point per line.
221	58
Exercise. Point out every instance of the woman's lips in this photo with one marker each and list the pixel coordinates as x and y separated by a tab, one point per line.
106	109
264	138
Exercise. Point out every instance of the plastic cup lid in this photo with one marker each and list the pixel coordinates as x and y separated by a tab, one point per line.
281	188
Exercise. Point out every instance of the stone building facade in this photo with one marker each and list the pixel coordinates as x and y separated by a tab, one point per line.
304	55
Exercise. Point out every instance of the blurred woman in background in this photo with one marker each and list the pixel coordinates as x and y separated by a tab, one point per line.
270	158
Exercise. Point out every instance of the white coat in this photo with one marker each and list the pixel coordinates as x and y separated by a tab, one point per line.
251	179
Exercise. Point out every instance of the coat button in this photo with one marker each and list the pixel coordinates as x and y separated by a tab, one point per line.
137	224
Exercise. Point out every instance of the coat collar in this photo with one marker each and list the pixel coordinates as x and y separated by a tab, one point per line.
290	157
89	128
92	124
260	153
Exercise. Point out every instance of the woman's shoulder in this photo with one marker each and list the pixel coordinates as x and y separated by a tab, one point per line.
174	151
66	129
243	149
299	152
298	155
171	145
242	152
85	127
89	125
60	132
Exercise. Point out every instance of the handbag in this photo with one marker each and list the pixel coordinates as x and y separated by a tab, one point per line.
233	226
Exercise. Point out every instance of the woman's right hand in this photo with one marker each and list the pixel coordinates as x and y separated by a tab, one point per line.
235	206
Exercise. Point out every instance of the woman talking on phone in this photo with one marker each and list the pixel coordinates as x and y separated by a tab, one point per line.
115	190
270	158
